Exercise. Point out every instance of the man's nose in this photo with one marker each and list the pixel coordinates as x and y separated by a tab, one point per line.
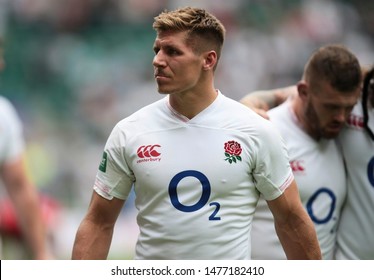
342	115
158	60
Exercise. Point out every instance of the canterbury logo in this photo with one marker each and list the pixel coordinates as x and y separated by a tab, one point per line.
296	166
148	151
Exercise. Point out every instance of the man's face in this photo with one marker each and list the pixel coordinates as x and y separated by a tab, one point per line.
327	109
177	68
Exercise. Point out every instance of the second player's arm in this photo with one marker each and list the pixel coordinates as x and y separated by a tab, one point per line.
263	100
294	227
25	199
94	235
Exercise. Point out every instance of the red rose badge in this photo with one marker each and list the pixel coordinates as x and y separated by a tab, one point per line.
233	151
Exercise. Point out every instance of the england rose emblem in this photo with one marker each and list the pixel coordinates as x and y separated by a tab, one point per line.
233	151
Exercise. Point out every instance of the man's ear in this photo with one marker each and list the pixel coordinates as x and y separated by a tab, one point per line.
302	89
210	60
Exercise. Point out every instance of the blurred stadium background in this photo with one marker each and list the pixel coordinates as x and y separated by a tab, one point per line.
76	67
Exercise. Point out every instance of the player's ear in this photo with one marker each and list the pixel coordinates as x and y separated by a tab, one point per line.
302	89
210	60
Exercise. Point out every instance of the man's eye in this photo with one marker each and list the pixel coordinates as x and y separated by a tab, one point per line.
172	52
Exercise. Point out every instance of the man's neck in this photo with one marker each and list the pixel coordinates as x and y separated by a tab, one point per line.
191	104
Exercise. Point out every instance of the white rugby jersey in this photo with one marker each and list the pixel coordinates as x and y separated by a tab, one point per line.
11	138
356	228
319	172
196	181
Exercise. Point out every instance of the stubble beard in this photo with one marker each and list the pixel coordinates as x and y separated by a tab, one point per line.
315	126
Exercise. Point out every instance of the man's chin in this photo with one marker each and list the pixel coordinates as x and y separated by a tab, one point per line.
331	134
163	91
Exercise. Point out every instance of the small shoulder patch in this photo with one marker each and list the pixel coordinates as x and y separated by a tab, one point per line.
103	162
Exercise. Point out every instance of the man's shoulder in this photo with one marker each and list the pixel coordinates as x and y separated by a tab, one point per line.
282	115
8	112
248	121
5	103
147	110
236	108
147	116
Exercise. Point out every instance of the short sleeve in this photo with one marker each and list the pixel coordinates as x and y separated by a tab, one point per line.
272	173
114	177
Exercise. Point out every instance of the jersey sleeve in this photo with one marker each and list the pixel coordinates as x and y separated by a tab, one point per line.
114	177
273	173
11	130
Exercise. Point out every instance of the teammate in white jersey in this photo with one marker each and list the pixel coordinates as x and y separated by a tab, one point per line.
356	228
20	189
323	99
354	235
198	162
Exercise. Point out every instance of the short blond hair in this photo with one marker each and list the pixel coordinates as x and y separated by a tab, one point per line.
198	22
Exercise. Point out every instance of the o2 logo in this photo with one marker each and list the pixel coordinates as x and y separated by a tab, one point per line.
313	198
205	194
371	171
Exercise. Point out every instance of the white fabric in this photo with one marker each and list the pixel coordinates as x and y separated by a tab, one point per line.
356	229
319	173
193	203
11	138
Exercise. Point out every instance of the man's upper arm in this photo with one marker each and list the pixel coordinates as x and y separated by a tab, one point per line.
104	211
286	203
264	100
14	175
294	227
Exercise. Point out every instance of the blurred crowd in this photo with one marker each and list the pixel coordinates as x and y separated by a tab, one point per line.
76	67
